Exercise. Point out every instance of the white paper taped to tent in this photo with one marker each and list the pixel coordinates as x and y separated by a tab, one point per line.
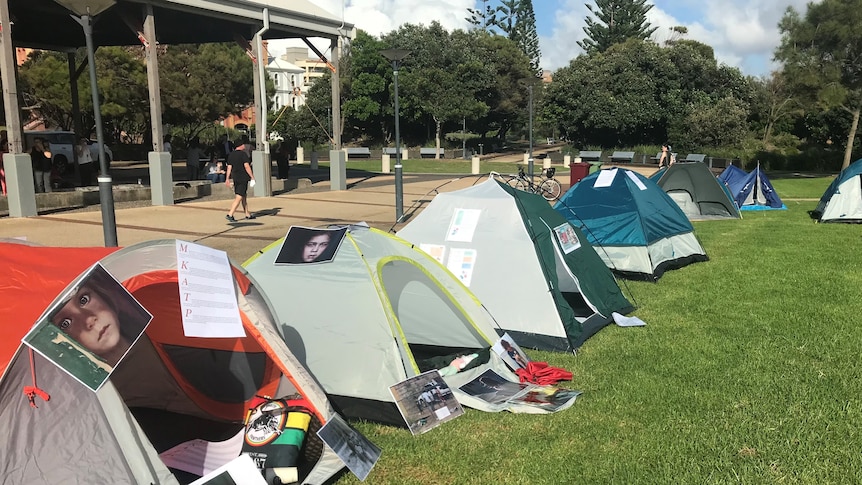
241	471
605	178
207	296
203	457
624	321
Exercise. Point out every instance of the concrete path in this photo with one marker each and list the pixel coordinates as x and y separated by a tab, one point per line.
371	200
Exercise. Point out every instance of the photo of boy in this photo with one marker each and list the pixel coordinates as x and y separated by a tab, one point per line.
89	330
309	245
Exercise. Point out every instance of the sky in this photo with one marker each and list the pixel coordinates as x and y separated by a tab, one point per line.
743	34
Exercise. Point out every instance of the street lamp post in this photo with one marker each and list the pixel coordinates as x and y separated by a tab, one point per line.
530	156
396	55
85	10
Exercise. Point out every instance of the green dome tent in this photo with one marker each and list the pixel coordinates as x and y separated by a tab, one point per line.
534	271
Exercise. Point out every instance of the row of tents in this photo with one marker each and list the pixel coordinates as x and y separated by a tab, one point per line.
338	333
475	264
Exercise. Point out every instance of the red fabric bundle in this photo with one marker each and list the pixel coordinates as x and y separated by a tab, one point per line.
543	374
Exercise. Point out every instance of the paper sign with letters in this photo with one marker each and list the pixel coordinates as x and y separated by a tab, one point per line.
207	294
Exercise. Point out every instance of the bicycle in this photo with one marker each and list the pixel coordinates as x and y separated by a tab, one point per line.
546	186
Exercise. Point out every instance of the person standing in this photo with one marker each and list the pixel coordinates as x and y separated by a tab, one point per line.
239	175
41	160
664	161
86	166
282	160
193	159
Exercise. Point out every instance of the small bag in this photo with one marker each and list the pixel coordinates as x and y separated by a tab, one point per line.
275	431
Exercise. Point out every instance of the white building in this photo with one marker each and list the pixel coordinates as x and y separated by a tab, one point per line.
289	83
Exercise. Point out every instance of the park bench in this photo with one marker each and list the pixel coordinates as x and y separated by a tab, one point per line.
430	153
390	151
358	152
590	156
622	157
694	157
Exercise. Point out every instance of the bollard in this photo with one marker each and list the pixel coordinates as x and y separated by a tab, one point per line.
567	160
526	158
300	155
546	163
385	163
475	165
313	162
337	170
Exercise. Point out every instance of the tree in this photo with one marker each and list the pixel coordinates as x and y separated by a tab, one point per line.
617	21
624	96
203	83
441	77
482	17
525	36
44	84
822	53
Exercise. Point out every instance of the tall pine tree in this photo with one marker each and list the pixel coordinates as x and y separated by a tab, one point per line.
616	21
515	19
525	36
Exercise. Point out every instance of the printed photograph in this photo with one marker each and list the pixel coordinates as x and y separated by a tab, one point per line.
355	450
510	352
567	237
493	388
304	245
239	471
547	397
90	328
425	401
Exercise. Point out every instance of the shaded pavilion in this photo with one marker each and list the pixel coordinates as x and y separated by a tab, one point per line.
51	25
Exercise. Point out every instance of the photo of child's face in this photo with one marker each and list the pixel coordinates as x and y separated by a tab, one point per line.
91	321
314	247
90	327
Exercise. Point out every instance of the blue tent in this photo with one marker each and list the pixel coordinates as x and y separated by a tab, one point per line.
636	228
751	191
842	201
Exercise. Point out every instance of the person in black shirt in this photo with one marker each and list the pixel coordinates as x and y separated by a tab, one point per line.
239	175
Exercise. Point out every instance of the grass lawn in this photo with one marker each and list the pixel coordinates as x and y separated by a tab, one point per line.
747	372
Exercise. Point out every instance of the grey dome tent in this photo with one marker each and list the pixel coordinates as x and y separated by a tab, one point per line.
697	191
535	272
169	388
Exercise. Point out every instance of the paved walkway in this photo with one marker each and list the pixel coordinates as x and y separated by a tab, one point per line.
371	200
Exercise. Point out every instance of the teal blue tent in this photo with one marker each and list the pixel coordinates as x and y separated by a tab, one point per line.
842	201
637	229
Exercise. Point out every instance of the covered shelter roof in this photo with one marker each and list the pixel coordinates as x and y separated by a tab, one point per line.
46	24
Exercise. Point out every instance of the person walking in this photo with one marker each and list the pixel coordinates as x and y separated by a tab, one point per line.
240	176
665	159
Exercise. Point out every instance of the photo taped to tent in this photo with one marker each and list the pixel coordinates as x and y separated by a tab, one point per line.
303	245
355	450
567	237
90	328
511	353
463	225
425	401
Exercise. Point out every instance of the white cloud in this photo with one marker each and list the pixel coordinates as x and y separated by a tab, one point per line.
742	33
